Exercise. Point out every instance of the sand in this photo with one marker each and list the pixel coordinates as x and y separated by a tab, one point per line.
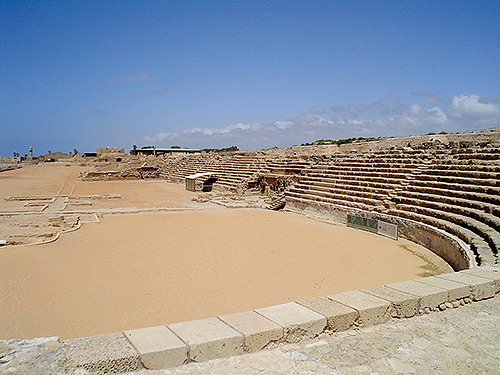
133	271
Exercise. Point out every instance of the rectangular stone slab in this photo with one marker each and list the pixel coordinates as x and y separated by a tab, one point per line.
430	296
103	353
490	274
456	291
257	330
208	339
298	322
480	287
371	309
404	305
158	347
339	317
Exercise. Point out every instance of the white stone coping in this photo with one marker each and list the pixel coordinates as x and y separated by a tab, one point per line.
233	334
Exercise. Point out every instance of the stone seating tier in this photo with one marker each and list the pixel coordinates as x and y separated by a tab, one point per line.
355	181
360	176
345	189
479	222
474	233
364	168
477	244
311	199
493	198
477	209
349	200
463	173
437	184
460	180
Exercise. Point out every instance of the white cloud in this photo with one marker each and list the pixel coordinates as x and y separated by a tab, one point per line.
387	117
474	106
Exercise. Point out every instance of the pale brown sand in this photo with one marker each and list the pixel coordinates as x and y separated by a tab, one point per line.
42	179
136	271
137	193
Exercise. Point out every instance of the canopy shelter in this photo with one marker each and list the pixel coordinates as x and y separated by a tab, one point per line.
200	181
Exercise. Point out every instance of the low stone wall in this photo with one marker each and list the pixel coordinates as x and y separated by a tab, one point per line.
249	331
455	253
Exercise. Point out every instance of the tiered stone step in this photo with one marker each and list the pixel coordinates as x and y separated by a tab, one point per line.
477	244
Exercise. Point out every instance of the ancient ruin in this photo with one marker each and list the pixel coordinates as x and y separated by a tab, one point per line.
439	191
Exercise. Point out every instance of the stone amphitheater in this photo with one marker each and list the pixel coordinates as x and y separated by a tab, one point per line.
441	191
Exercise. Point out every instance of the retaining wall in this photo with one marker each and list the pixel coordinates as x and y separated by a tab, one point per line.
452	250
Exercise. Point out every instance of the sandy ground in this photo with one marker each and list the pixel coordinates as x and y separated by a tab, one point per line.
137	193
47	178
135	271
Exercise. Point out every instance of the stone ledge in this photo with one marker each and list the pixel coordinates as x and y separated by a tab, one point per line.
110	353
430	297
298	322
456	291
480	287
158	347
208	338
257	330
490	273
404	305
371	309
234	334
338	316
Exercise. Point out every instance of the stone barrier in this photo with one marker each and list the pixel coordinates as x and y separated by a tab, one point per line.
233	334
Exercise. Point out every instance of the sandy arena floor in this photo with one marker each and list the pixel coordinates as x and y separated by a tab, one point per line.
132	271
136	271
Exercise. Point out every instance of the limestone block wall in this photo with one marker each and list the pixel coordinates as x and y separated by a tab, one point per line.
454	252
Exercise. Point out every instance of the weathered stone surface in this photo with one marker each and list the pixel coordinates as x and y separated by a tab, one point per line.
158	347
456	291
430	296
339	317
480	287
102	353
298	322
404	305
371	309
490	274
208	338
257	330
455	341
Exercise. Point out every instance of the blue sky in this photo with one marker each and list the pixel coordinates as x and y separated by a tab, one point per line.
87	74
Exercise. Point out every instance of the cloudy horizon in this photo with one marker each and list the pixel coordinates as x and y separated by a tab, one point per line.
381	118
88	74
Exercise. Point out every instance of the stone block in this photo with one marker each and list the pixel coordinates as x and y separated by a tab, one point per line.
371	309
490	274
480	287
257	330
404	305
430	296
339	317
102	353
208	339
298	322
158	347
455	290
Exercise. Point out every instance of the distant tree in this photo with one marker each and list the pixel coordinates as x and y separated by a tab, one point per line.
175	146
75	151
